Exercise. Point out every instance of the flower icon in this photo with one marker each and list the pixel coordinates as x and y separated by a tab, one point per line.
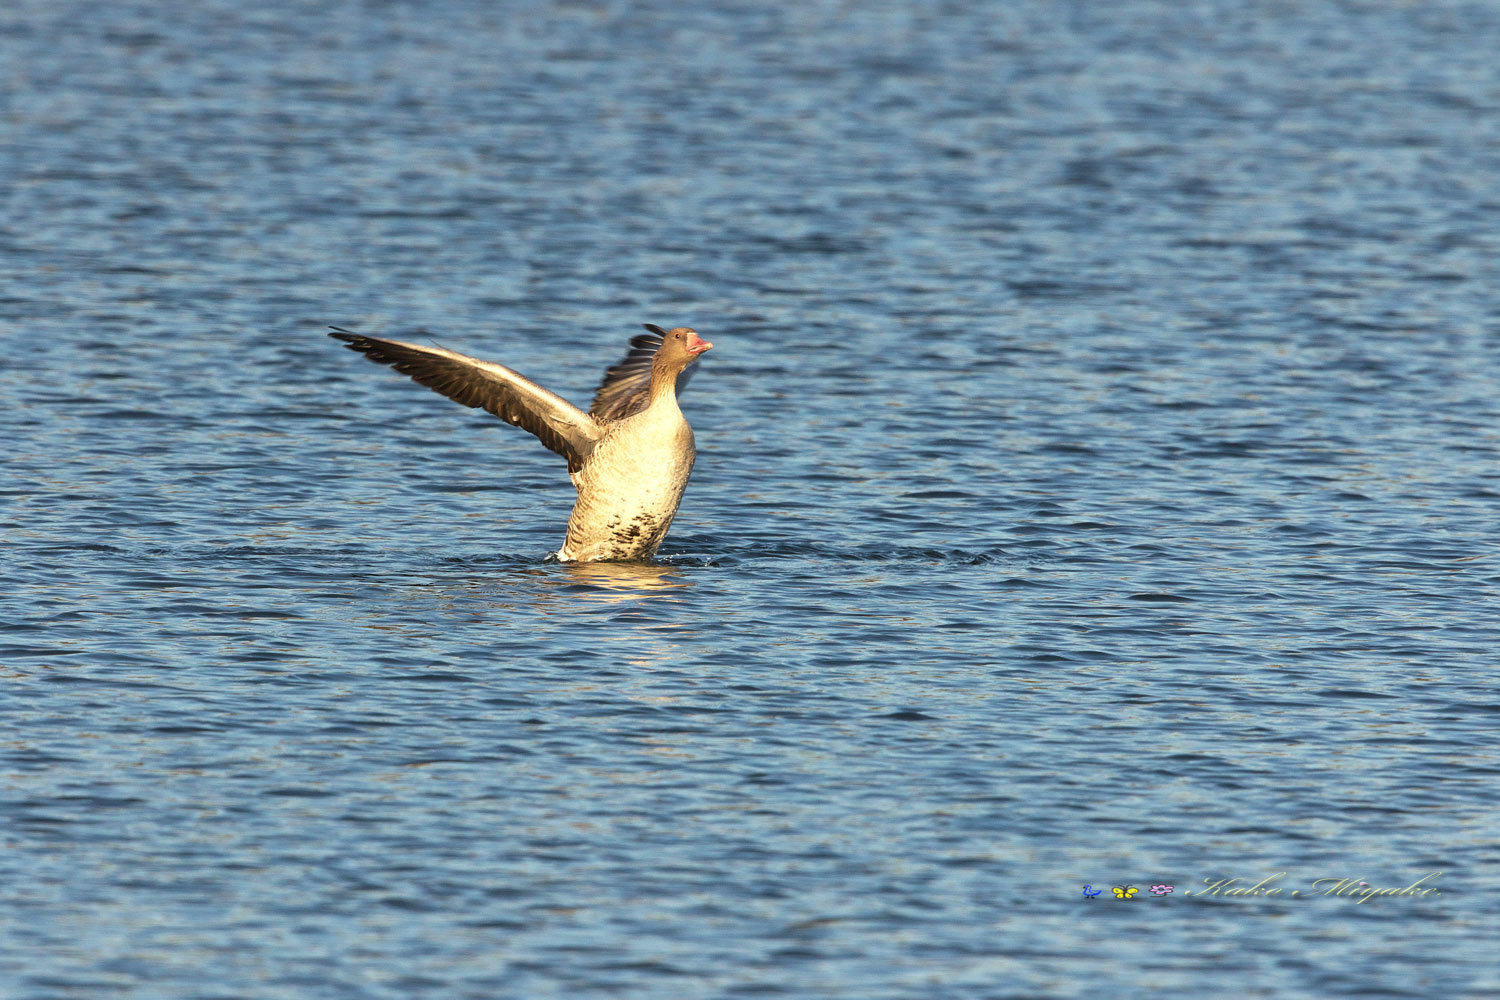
1161	890
1125	893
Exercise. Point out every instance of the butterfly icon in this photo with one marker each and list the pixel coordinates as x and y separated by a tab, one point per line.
1089	892
1126	893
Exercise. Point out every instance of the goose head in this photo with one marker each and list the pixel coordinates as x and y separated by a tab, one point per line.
679	348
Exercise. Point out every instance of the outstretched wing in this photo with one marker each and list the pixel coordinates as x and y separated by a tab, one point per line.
512	397
626	385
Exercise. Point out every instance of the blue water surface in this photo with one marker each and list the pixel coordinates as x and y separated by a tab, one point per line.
1098	485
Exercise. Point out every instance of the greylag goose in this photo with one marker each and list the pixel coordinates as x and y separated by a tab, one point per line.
629	457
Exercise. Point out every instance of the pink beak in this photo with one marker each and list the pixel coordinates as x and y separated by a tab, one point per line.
696	344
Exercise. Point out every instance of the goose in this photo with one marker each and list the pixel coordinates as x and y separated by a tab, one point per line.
629	456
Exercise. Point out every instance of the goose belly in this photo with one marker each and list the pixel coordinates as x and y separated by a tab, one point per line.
627	497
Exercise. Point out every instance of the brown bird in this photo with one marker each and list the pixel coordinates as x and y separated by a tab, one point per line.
629	457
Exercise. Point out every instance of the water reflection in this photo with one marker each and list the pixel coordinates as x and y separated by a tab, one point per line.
618	581
555	589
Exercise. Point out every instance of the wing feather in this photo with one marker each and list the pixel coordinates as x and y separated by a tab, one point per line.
507	394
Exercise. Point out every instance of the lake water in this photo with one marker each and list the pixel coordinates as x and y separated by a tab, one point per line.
1098	485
